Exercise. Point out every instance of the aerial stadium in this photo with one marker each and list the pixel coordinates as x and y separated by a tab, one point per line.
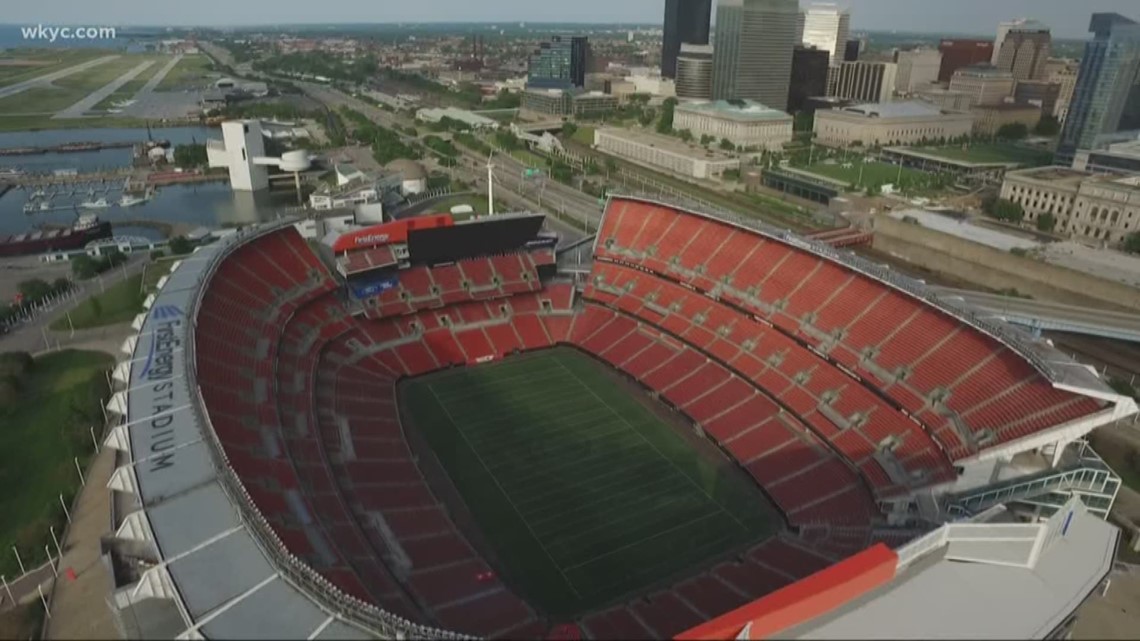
686	426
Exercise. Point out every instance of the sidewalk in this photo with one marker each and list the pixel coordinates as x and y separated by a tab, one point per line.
78	608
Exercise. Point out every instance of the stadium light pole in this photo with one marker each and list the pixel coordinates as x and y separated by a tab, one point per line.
7	589
54	569
78	469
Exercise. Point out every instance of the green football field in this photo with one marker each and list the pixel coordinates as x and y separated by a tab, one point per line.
584	493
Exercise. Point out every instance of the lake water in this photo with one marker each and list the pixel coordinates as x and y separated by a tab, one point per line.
209	205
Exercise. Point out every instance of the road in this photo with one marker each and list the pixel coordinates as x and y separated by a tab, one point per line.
543	194
31	336
48	78
1055	316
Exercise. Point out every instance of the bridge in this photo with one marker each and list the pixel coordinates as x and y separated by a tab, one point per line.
1045	316
552	126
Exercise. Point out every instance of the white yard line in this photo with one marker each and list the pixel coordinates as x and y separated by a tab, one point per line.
537	540
650	444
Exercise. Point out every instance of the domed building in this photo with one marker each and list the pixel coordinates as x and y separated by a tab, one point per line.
412	174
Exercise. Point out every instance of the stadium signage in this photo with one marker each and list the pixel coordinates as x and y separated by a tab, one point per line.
159	370
370	288
374	239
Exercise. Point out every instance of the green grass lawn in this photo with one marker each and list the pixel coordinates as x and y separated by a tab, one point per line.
873	173
530	159
189	73
584	135
67	91
156	270
584	492
989	153
119	304
40	434
478	203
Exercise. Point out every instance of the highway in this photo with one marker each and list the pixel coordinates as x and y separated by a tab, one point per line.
543	194
1048	316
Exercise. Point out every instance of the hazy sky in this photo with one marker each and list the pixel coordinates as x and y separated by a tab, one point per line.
1069	18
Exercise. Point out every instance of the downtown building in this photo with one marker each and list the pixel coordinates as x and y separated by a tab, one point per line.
896	123
809	77
983	83
686	21
1106	84
917	69
957	53
747	124
752	56
1022	49
862	81
559	63
695	72
827	27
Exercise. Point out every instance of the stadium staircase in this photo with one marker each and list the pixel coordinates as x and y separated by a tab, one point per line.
1047	490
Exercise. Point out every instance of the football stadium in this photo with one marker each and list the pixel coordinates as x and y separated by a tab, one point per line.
685	426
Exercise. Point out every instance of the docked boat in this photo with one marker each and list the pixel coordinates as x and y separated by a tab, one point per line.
11	172
100	203
85	230
130	200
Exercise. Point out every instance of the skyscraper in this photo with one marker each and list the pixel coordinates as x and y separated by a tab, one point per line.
559	64
826	27
1105	83
809	77
962	53
917	69
862	81
752	57
1023	50
685	21
695	71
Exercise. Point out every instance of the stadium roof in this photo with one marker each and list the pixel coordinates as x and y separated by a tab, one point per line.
982	580
212	563
989	578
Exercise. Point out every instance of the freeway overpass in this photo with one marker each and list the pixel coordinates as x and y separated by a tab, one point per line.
1045	316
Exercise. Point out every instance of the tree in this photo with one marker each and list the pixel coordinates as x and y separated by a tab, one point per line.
804	121
665	124
685	135
727	145
84	267
569	129
507	140
1047	126
647	116
1003	209
1013	131
1046	222
191	155
611	165
34	290
1132	243
707	139
179	246
61	285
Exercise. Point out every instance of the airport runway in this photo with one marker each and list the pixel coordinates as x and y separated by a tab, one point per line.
45	79
80	109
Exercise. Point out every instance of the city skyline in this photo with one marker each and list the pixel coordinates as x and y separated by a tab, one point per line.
1067	19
